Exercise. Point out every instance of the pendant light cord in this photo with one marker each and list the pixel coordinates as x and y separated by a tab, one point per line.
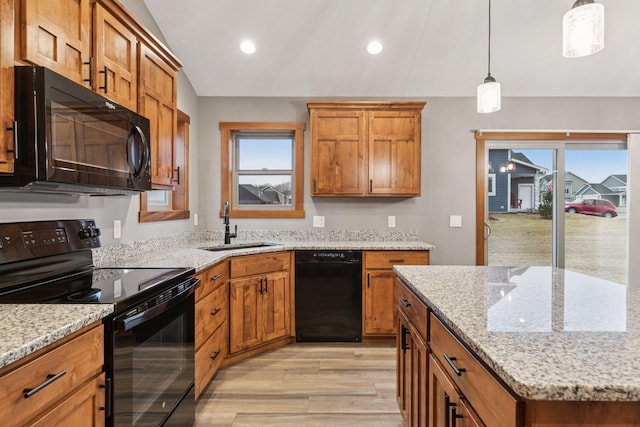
489	44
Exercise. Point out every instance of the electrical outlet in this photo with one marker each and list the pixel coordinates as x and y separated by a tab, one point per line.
195	220
117	229
455	221
318	221
391	221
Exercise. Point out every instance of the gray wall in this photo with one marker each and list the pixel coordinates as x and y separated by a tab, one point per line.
448	162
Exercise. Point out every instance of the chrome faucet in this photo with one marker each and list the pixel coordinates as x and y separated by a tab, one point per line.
225	219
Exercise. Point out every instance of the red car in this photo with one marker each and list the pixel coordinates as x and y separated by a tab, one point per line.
598	207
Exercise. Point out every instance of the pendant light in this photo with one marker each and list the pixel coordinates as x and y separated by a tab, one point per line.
489	90
583	29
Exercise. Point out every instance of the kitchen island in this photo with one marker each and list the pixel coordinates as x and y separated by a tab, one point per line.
564	345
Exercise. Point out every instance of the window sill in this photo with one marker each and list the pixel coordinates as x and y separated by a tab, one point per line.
151	216
246	213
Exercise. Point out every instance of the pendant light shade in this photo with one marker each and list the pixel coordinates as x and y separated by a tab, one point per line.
489	96
489	90
583	29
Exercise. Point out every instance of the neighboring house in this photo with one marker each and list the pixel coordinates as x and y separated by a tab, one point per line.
249	194
572	183
514	191
618	183
600	191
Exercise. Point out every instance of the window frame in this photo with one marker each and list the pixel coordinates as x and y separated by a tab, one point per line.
491	184
227	141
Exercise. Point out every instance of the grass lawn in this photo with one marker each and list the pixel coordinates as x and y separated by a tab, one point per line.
595	246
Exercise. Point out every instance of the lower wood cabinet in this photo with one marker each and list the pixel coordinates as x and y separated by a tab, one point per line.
378	296
62	384
211	323
260	304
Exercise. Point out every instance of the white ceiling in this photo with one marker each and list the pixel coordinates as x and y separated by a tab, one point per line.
316	48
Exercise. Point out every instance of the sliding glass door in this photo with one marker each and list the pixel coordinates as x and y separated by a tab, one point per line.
559	203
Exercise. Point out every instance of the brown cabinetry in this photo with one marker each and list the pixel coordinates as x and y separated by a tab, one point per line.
365	148
211	323
493	403
7	13
412	358
60	384
157	101
379	300
115	50
260	307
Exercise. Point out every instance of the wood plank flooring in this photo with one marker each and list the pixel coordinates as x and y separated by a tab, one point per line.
306	385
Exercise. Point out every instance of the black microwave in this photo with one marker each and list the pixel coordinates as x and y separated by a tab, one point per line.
70	139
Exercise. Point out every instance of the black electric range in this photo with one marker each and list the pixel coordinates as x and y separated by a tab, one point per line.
149	335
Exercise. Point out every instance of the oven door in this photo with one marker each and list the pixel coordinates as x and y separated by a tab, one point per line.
152	367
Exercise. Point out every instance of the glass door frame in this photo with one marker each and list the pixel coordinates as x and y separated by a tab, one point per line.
552	140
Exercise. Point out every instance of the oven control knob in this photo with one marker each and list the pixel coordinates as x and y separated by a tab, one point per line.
95	232
85	233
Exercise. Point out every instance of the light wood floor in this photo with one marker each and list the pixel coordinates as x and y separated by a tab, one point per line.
306	385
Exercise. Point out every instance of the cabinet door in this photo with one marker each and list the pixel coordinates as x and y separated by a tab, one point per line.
56	34
394	153
6	85
338	153
419	375
244	315
157	102
85	407
379	303
115	48
443	397
403	367
275	303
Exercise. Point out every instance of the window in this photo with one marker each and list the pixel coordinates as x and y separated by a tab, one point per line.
491	189
164	205
262	169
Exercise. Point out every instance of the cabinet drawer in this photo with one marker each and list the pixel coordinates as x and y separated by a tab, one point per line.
80	359
413	308
258	264
494	404
387	259
209	357
211	312
211	279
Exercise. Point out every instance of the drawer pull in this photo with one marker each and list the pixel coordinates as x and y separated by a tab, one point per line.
404	302
216	277
397	261
216	354
216	311
403	344
450	361
28	392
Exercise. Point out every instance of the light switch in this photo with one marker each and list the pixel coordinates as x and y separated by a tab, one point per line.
195	220
318	221
455	221
391	221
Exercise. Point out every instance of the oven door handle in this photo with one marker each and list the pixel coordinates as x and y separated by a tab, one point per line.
122	324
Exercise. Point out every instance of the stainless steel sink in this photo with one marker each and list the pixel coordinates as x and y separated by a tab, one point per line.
223	247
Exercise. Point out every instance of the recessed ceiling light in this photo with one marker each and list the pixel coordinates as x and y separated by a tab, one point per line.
374	48
248	47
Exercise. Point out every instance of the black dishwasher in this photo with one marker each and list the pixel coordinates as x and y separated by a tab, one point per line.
328	295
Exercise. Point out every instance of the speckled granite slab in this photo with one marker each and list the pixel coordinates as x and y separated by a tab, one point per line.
549	334
26	328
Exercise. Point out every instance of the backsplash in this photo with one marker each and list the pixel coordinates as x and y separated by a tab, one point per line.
117	254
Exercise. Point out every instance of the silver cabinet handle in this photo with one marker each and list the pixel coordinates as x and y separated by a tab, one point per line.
28	392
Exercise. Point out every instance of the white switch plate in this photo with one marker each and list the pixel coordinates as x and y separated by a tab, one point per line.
195	220
318	221
455	221
117	229
391	221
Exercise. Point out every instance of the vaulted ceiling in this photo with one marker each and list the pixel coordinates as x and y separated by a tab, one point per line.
316	48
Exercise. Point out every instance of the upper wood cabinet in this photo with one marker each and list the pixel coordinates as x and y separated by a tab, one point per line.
157	101
365	148
6	85
115	50
56	34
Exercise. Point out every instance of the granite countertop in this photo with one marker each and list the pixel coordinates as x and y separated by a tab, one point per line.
195	256
30	327
549	334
